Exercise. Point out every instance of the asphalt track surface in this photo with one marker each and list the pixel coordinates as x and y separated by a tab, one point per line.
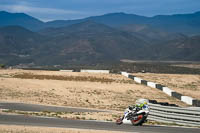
40	108
80	124
64	123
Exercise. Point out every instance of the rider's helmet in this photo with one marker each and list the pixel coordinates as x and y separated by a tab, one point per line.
141	102
145	103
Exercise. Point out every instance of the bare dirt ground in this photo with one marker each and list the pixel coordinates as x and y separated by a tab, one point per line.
29	129
88	90
101	91
188	85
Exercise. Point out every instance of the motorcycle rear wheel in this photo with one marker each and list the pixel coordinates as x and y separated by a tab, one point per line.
139	122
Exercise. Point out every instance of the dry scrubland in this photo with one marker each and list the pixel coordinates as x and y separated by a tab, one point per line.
188	85
28	129
101	91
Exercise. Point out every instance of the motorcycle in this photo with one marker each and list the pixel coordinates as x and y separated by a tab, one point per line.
137	116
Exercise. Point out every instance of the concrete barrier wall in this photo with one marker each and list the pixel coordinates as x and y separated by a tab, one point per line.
125	74
138	80
196	102
187	99
159	86
176	95
66	70
144	82
151	84
95	71
131	77
166	90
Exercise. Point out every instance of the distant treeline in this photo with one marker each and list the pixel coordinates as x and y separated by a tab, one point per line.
117	67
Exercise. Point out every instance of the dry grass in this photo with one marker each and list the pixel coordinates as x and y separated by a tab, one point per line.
113	77
29	129
70	78
188	85
102	95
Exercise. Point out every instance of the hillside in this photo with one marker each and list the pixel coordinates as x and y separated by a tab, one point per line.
177	23
20	19
185	49
150	34
17	44
92	40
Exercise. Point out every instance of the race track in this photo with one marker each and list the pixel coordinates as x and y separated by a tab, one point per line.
10	119
40	108
56	122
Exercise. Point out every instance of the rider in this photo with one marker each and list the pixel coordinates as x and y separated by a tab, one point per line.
138	106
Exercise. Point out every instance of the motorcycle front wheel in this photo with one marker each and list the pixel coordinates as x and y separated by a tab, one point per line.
119	121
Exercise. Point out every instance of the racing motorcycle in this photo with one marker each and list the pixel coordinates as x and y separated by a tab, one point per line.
136	115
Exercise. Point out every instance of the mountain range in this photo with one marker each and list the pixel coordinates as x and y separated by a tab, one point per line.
110	37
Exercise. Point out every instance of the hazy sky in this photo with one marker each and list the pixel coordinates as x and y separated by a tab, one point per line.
73	9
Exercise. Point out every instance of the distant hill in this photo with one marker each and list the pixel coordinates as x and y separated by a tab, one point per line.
91	41
186	49
151	35
179	23
86	42
17	44
182	23
106	38
111	19
20	19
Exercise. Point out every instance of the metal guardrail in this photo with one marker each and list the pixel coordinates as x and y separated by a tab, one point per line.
174	115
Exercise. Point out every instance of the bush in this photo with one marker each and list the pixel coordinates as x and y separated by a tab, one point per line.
2	66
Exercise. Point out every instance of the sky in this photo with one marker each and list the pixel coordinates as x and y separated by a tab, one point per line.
47	10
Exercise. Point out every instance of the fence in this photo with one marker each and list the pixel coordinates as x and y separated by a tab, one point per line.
175	115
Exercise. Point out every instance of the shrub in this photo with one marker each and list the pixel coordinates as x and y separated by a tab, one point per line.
2	66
